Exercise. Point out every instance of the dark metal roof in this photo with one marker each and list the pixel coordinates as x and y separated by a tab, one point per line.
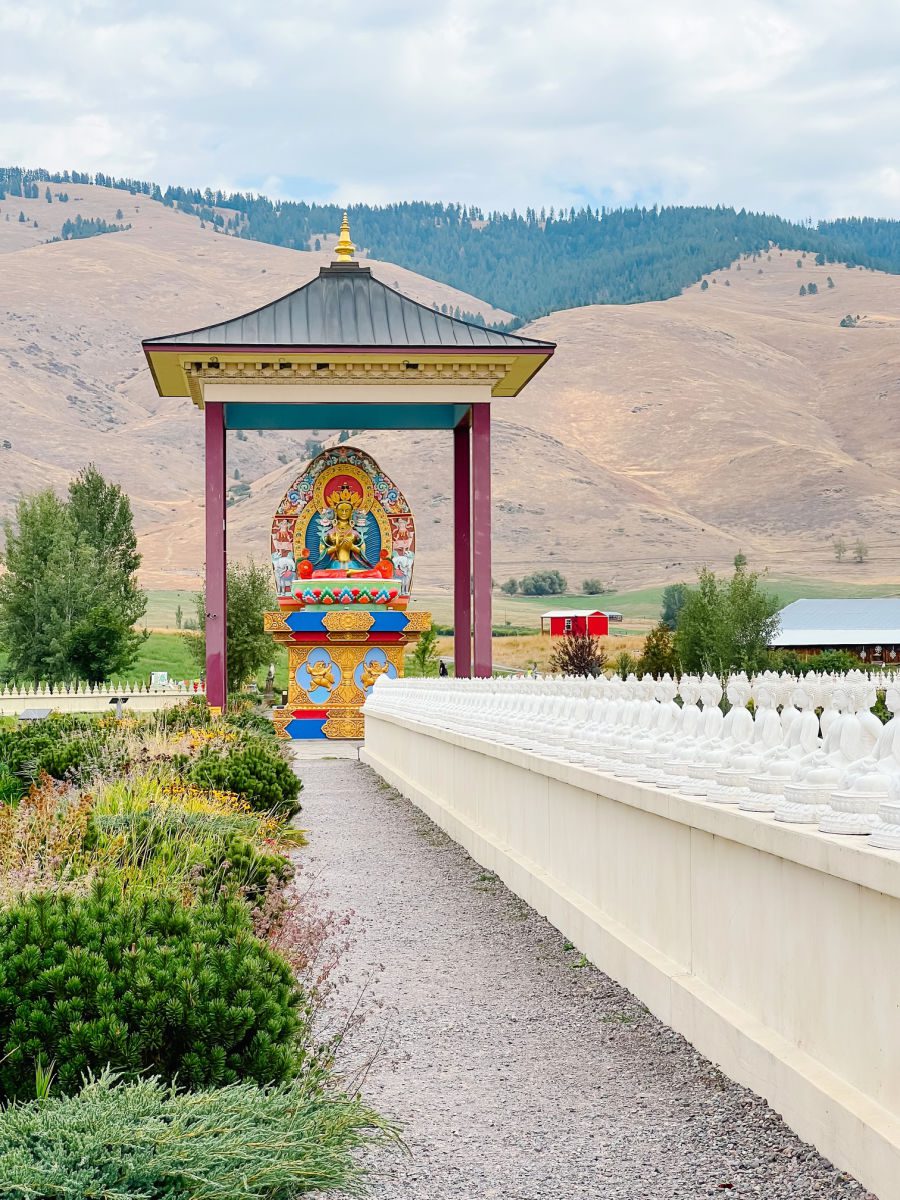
346	306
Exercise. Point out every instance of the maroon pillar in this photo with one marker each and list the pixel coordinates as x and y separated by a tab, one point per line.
481	537
216	678
462	551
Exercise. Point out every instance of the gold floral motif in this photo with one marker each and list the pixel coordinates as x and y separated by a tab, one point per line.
281	723
344	726
348	620
417	622
274	622
348	637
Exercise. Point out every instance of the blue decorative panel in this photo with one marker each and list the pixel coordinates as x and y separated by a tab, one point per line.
305	730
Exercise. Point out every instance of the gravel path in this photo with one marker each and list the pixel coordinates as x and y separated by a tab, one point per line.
518	1070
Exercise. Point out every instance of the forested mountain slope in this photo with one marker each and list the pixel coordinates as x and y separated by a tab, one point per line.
527	263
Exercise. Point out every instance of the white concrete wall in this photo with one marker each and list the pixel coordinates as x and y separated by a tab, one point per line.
96	700
774	949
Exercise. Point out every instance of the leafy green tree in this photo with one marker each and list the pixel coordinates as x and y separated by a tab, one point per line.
673	598
593	587
726	625
179	617
860	551
67	606
625	664
425	656
248	647
802	289
47	585
102	513
658	655
840	549
510	587
543	583
101	644
740	560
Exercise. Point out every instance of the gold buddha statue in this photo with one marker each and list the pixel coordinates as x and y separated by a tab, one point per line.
343	543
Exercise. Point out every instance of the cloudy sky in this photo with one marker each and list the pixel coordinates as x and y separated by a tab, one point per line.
791	106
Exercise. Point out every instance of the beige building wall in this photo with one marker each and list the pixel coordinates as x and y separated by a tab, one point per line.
774	949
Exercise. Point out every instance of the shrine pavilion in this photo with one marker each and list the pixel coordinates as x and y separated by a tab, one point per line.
347	351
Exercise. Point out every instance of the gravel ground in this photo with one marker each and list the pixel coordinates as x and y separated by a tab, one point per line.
518	1070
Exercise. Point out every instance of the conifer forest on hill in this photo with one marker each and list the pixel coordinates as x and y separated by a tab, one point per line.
527	263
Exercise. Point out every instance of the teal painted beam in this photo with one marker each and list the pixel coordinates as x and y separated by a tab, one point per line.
343	416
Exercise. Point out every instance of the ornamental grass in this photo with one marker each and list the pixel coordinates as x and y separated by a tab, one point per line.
145	1140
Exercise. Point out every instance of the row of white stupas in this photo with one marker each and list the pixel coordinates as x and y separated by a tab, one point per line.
811	752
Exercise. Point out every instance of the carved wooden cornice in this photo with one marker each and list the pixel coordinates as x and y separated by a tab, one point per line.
455	373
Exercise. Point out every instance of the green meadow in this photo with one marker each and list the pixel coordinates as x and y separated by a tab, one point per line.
166	649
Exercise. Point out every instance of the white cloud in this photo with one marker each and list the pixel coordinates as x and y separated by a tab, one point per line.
787	105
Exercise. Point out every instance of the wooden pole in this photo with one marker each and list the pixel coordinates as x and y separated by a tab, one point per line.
216	619
481	537
462	550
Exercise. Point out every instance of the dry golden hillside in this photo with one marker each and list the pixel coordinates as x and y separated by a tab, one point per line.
659	437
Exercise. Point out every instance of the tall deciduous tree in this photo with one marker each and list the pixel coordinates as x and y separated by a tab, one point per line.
248	647
67	607
673	598
726	624
658	655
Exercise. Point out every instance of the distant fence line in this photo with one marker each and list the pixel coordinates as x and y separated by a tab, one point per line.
79	696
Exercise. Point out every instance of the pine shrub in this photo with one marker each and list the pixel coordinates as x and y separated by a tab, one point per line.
142	985
56	746
144	1140
254	770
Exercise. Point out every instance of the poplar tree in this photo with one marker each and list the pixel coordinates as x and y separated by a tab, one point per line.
69	598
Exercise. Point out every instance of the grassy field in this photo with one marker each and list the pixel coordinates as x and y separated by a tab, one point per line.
641	607
167	650
162	606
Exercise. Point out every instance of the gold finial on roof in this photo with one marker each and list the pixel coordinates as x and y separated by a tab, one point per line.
344	249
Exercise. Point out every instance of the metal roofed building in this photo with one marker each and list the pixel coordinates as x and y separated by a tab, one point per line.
868	628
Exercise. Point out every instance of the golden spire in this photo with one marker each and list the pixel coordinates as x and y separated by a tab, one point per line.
344	249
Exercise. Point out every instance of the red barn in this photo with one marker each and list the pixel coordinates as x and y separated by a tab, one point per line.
576	620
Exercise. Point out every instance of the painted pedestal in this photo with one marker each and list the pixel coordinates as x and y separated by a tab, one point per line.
334	659
343	547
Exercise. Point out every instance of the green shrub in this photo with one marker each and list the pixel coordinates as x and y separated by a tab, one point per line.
143	985
59	746
838	661
256	770
146	1141
244	714
10	785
